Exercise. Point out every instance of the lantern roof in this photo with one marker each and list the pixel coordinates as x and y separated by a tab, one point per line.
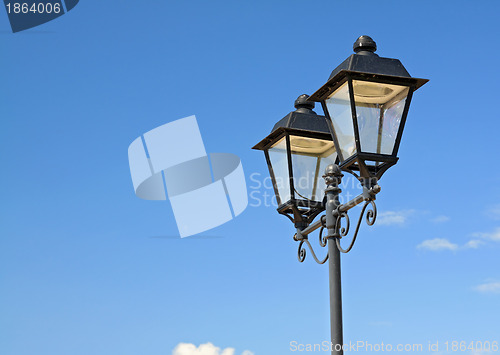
365	60
303	121
366	64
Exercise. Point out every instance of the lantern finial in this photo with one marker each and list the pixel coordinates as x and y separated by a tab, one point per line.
302	105
365	45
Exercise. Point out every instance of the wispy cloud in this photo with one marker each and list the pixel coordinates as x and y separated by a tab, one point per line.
389	218
488	287
494	212
440	219
473	244
204	349
494	236
437	244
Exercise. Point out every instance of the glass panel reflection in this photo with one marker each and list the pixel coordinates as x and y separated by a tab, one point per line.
279	163
379	109
339	109
310	156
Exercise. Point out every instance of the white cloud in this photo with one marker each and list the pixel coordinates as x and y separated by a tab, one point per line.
444	244
480	352
473	244
440	219
488	287
494	212
204	349
389	218
437	244
494	236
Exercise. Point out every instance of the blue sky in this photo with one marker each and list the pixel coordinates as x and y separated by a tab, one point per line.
88	268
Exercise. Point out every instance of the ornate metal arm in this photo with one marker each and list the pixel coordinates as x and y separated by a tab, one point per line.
339	213
371	216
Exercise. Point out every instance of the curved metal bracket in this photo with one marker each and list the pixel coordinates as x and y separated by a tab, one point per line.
301	253
336	212
371	216
347	170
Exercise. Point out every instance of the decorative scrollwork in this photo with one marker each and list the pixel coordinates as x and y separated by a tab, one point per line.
322	240
371	216
344	230
302	252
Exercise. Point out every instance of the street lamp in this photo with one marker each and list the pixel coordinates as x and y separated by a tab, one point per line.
298	150
367	98
365	102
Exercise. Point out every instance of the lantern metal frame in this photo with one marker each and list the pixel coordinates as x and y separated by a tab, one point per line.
367	66
357	161
303	122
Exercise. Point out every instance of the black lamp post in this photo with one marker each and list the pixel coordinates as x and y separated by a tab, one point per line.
365	101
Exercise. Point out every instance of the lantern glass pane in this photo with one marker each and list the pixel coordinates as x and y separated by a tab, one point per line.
379	109
279	163
338	105
310	156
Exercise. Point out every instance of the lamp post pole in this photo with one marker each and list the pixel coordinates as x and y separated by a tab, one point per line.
335	298
331	221
333	176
